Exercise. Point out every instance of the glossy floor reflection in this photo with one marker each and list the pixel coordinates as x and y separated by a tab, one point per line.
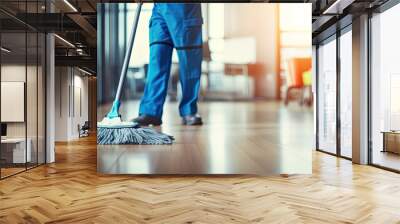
238	138
386	159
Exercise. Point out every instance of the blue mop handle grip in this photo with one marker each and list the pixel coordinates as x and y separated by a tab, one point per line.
114	112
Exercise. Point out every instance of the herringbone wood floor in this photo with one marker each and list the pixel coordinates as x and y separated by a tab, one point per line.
71	191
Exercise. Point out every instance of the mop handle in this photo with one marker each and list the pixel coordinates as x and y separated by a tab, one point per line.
128	53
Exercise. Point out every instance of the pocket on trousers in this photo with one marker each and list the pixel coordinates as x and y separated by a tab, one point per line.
192	35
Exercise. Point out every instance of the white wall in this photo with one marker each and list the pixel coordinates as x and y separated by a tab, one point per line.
258	21
70	84
34	124
16	72
61	103
79	117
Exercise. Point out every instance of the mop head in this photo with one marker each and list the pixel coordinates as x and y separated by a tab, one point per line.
114	132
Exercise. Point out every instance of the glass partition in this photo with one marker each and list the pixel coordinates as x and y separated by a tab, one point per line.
41	96
14	153
32	97
22	77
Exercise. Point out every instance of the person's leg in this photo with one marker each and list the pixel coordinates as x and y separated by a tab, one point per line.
185	23
161	47
157	81
190	71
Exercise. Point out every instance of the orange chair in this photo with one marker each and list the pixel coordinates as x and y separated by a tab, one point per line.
297	66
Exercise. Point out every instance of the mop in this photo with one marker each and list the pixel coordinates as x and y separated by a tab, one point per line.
112	130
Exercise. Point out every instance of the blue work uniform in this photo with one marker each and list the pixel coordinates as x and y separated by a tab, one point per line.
173	25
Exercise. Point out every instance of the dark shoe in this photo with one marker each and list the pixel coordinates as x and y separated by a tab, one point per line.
146	120
192	120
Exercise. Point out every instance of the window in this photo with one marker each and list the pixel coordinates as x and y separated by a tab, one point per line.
295	38
216	15
346	94
385	89
327	96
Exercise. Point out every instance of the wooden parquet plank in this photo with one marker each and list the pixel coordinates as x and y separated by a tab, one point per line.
71	191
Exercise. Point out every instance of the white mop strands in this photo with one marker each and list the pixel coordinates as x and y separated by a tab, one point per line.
114	131
131	135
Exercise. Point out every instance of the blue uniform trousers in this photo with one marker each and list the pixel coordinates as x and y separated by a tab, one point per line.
173	25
